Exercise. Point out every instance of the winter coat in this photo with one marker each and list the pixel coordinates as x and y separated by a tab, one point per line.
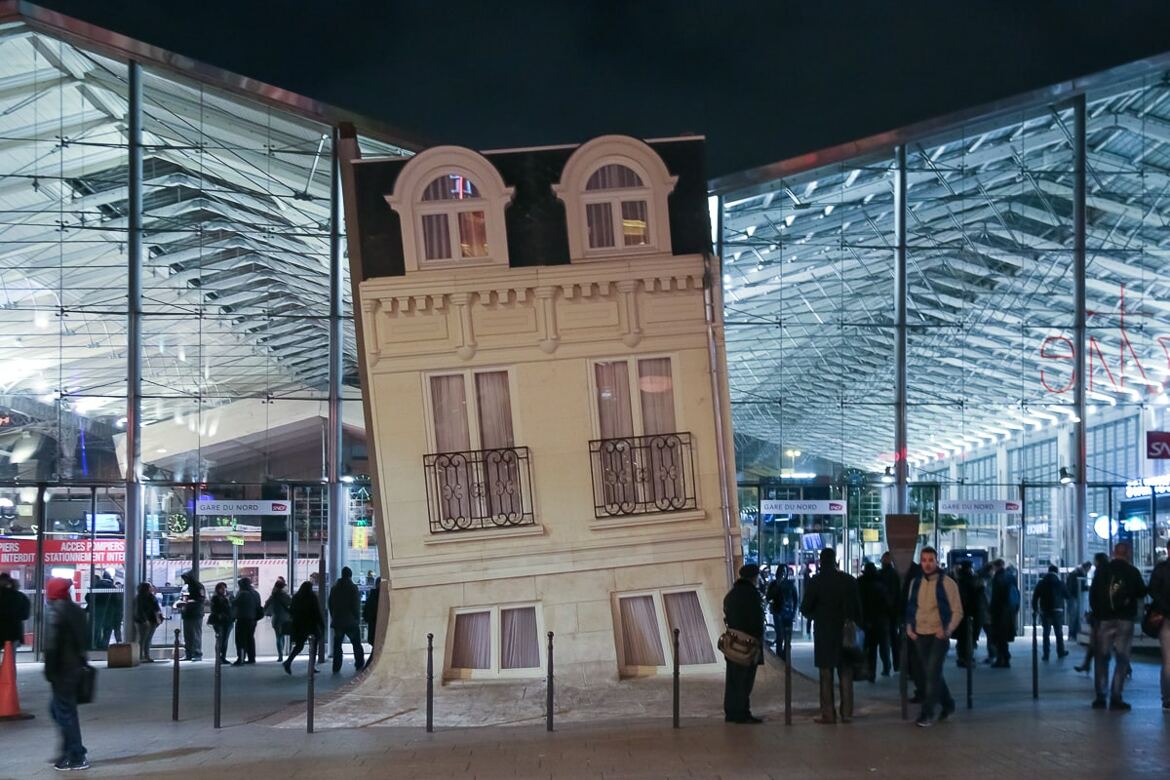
875	601
1001	615
832	598
1160	588
893	585
14	610
146	609
307	619
221	617
743	610
1106	608
278	608
1049	594
781	597
196	595
65	647
247	605
345	605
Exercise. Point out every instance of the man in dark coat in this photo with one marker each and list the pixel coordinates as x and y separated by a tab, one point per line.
64	658
191	608
971	596
743	611
875	608
781	598
1004	607
893	584
1048	598
1115	597
370	615
1159	592
14	610
1074	583
345	609
831	599
248	612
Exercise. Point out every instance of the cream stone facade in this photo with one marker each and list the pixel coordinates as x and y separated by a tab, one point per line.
554	538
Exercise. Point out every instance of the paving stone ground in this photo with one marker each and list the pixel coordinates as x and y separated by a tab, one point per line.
129	732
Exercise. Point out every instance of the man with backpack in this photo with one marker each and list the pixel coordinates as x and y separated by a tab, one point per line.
1115	597
1048	599
782	601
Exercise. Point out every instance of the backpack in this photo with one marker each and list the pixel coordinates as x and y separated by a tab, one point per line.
1122	600
1013	594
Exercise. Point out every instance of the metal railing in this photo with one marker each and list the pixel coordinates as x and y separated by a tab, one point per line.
479	489
635	475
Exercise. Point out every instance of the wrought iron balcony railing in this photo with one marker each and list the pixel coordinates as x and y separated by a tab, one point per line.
635	475
479	489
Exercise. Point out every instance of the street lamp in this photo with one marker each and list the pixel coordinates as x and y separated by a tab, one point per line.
793	454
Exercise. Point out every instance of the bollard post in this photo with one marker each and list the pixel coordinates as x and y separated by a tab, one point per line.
788	676
1035	660
175	680
970	661
676	678
216	692
903	667
314	643
430	683
548	718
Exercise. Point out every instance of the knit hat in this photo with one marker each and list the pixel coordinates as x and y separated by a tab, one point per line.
57	588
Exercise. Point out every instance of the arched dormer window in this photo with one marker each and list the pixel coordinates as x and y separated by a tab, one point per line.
451	202
615	191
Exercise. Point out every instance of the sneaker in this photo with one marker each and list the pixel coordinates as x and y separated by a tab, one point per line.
946	712
1099	703
924	723
1119	705
78	765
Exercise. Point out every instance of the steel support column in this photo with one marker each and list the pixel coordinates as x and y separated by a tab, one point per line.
134	509
901	469
1081	495
337	497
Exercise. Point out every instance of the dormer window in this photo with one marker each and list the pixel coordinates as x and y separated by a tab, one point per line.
451	202
615	195
615	190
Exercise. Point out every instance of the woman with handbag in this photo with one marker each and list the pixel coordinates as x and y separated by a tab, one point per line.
147	617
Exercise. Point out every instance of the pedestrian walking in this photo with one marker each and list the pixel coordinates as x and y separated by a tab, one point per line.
876	602
893	584
971	597
1160	603
307	621
743	612
64	666
220	619
1100	561
1048	598
370	615
1115	597
782	603
147	618
190	606
1074	584
933	611
248	612
278	609
832	599
1005	606
345	609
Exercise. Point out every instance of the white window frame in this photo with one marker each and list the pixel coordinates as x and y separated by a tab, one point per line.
664	632
657	183
494	197
494	672
631	362
472	401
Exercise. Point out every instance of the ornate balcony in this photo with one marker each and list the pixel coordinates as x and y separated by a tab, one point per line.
636	475
479	489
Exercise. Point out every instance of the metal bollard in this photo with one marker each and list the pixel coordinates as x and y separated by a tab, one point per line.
1035	660
788	677
970	662
175	680
218	684
676	678
903	667
314	643
548	718
430	683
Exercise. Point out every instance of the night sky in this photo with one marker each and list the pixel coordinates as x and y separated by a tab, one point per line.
764	81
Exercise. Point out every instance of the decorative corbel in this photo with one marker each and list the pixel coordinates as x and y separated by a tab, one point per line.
550	337
467	344
370	329
631	328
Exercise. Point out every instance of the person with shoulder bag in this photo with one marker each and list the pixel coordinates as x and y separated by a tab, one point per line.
67	671
147	617
278	608
833	602
742	644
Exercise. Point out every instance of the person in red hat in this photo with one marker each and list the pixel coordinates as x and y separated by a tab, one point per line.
64	659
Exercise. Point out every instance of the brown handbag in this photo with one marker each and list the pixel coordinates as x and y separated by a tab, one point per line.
739	647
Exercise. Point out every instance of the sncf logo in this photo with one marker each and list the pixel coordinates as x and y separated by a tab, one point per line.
278	507
1158	445
1011	506
835	507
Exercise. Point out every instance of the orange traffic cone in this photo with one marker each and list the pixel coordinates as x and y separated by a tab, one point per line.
9	701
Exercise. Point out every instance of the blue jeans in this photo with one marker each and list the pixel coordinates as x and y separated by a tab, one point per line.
932	654
64	712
